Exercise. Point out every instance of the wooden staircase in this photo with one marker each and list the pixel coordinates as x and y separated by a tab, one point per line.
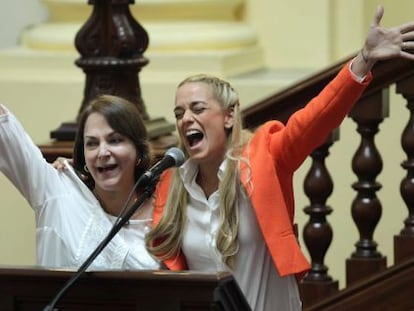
391	289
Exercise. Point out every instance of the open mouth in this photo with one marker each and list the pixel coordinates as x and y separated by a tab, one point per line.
107	168
194	137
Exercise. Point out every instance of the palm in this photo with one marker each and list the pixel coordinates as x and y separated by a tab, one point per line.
382	43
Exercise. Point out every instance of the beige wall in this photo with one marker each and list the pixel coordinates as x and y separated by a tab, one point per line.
15	16
296	36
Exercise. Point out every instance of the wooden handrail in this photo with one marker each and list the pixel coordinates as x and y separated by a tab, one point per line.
283	103
383	291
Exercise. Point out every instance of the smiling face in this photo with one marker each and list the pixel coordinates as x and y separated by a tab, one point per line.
110	157
202	123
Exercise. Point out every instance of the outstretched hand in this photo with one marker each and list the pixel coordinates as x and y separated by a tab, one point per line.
383	43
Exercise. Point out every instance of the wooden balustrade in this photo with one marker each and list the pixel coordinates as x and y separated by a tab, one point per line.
366	208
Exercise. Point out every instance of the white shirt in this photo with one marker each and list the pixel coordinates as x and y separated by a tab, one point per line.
255	272
70	222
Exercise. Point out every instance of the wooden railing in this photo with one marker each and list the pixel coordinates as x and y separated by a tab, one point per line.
372	108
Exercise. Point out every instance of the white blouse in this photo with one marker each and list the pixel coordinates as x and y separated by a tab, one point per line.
70	222
254	272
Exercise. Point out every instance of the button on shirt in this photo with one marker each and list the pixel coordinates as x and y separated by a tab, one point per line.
254	272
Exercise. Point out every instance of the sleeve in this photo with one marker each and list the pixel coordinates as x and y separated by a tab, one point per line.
309	127
22	162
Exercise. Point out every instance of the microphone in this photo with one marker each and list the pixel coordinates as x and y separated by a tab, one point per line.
173	157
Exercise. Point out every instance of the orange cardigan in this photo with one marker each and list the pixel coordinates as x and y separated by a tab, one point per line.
274	153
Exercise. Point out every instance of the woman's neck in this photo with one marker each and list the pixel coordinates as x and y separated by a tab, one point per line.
207	178
113	202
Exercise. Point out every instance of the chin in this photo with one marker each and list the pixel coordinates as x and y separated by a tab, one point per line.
108	187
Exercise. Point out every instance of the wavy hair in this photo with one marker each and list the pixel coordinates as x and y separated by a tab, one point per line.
164	240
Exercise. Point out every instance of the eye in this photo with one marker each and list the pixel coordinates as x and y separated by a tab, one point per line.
198	110
90	143
178	114
116	139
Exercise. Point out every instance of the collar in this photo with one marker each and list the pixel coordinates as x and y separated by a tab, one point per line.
188	171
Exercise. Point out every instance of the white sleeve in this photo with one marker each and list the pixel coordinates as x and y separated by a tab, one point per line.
22	162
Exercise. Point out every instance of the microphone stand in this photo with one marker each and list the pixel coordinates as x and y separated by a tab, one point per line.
119	223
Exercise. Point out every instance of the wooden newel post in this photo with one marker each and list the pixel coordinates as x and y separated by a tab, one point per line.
111	44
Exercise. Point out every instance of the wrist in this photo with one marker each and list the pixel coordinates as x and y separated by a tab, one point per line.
362	63
364	55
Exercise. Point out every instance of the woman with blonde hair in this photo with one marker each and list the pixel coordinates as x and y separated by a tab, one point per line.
230	206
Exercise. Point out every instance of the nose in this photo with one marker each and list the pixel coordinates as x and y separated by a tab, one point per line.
103	150
187	116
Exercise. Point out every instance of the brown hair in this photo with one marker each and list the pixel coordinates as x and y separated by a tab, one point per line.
123	117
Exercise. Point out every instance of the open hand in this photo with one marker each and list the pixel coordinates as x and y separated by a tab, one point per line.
383	43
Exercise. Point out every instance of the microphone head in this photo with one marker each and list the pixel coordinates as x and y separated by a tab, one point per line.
177	155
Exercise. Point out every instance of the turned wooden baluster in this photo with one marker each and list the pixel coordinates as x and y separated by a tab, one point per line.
366	207
317	233
404	241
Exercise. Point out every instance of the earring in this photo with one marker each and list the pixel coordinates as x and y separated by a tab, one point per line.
85	168
228	126
138	162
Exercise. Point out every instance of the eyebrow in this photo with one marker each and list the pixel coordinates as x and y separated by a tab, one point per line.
192	104
113	133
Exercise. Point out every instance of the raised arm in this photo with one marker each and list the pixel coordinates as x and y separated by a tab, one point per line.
22	162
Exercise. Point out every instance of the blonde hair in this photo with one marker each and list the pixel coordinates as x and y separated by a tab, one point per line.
171	226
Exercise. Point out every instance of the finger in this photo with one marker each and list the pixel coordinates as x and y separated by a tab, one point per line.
406	28
407	46
59	163
408	36
407	55
378	15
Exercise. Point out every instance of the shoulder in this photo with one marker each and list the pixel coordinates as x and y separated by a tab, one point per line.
266	129
163	185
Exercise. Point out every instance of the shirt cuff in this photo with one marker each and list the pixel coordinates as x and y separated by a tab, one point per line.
356	77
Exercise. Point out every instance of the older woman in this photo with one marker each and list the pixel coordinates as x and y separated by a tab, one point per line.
75	208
